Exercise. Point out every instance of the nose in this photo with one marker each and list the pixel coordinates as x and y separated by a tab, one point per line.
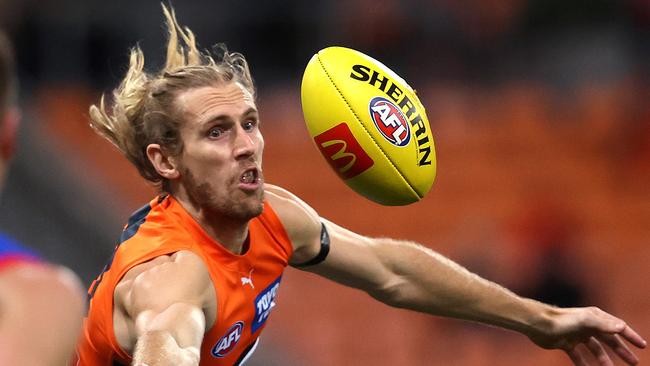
245	144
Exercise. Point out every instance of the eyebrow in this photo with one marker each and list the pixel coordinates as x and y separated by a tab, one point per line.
250	110
225	117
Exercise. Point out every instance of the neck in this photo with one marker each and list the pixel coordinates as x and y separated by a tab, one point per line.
230	232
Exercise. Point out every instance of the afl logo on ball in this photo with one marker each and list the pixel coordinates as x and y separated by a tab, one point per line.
229	340
390	121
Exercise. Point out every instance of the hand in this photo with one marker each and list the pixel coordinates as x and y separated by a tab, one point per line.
590	327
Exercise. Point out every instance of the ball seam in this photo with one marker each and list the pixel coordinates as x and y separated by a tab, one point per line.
401	174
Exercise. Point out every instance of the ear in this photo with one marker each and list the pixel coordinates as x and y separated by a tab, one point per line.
8	133
164	165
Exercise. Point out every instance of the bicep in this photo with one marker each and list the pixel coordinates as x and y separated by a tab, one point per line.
355	260
166	304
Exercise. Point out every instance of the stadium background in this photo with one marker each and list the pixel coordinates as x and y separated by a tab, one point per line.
541	115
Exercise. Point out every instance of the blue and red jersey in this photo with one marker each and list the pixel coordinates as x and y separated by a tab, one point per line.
13	253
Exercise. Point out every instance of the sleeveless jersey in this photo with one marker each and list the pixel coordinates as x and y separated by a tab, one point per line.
246	285
13	253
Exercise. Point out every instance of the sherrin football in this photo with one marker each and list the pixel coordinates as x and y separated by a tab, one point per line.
369	125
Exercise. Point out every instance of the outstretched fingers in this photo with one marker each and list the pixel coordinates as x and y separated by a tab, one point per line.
633	337
620	348
613	333
602	329
599	352
576	357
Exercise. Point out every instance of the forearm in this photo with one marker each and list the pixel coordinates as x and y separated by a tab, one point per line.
425	281
159	348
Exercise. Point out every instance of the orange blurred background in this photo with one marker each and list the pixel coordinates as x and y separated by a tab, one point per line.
542	125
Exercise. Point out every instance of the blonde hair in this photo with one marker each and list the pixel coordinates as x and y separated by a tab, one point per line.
142	110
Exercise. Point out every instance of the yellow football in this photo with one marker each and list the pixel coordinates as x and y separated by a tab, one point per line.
369	125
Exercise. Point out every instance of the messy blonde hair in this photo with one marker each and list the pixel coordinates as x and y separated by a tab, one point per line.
143	111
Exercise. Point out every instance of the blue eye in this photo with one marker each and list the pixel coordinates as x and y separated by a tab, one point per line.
249	125
215	132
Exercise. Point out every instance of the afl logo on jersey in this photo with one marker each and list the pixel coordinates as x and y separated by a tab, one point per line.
390	121
229	340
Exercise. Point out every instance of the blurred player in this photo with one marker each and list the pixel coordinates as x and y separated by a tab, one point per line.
197	270
41	305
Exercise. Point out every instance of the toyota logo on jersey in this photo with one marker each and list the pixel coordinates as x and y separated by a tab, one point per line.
264	303
390	121
229	340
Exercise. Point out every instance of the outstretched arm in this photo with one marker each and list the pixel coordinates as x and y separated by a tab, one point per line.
165	298
407	275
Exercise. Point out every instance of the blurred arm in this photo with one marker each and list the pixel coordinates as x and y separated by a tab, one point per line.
41	309
166	301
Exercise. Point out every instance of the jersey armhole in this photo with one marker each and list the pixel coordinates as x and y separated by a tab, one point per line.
271	220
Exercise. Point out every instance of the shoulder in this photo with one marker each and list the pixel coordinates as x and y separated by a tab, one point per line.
41	275
279	196
163	281
42	310
168	294
30	285
23	269
301	222
295	215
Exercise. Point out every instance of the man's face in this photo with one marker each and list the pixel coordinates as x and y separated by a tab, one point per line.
221	162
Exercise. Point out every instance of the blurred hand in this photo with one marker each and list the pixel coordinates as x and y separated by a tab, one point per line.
578	331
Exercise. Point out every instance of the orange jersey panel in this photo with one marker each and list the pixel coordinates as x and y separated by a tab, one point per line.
246	285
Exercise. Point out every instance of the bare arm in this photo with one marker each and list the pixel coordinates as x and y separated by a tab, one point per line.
41	308
408	275
165	299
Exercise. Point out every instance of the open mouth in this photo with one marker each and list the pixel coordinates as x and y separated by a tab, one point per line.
250	176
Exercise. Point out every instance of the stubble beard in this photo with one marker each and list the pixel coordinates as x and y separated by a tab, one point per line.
229	208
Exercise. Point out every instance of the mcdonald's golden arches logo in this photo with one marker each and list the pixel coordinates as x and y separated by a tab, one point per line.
343	152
